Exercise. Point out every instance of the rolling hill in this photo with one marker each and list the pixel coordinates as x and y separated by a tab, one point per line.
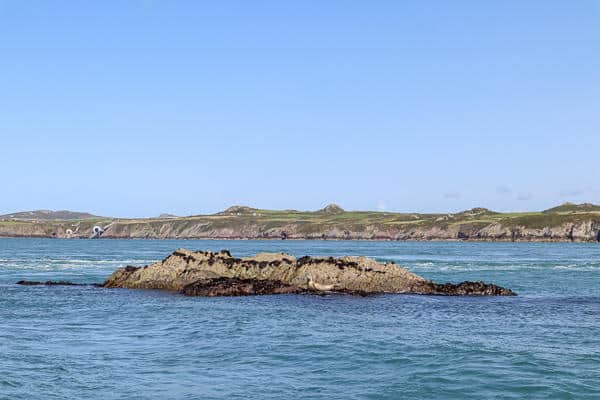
49	215
568	222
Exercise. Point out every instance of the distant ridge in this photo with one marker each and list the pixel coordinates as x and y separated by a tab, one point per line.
245	210
572	207
567	222
49	215
330	209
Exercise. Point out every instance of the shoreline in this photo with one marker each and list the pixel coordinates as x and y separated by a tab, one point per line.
258	239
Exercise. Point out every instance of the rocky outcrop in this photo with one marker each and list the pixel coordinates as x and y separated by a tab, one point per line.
207	273
331	209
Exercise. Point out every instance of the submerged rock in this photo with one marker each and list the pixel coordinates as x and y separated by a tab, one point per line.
468	288
48	283
206	273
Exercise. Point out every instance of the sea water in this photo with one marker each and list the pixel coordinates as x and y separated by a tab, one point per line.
90	343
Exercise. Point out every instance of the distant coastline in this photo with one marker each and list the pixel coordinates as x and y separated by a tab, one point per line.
567	222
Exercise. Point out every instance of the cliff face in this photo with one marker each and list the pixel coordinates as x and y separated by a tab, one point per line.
584	231
587	231
207	273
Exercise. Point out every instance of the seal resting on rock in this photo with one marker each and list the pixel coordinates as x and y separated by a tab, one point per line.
317	286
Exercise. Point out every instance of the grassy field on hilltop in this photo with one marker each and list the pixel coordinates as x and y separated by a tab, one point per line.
266	223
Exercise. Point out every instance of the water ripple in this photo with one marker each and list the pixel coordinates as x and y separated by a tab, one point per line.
85	342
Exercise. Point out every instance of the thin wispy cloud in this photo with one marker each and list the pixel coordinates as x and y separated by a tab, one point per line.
503	189
524	196
452	195
571	192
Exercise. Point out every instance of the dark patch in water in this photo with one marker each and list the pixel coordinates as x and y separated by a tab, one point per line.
466	288
47	283
55	283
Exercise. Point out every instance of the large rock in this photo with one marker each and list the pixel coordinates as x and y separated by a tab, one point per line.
208	273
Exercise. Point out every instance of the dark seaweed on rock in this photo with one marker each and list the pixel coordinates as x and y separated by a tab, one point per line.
252	287
237	287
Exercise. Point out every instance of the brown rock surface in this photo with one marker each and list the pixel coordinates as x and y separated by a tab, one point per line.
208	273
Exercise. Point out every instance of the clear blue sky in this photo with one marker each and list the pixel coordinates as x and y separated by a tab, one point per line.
134	108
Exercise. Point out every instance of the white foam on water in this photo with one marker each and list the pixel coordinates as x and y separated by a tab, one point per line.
62	265
577	267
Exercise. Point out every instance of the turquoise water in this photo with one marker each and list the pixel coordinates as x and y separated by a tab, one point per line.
89	343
